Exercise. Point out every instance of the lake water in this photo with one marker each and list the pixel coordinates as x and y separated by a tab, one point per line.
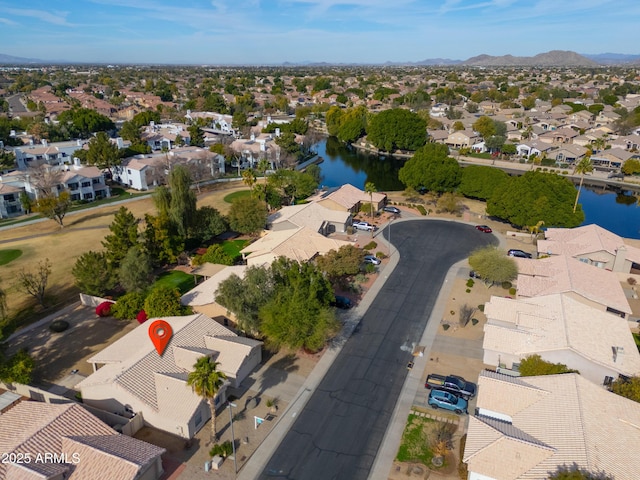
618	213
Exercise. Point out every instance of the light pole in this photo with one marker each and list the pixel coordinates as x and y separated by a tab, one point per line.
233	438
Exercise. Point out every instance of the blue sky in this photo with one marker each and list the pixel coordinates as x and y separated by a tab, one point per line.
276	31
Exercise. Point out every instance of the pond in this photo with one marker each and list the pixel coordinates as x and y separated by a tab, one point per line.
617	212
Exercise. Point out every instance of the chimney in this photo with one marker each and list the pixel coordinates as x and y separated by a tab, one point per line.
618	354
620	260
44	142
253	137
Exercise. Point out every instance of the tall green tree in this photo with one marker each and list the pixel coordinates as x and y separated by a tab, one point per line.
135	270
485	126
333	119
353	124
209	222
207	381
340	263
182	209
397	128
536	196
627	388
479	181
161	239
123	236
197	136
248	215
163	301
582	167
93	274
370	188
431	168
102	153
298	315
534	365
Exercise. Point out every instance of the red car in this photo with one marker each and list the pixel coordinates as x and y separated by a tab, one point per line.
484	228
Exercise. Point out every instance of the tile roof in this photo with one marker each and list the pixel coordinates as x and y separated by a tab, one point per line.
132	364
563	419
205	292
348	196
585	241
311	215
301	244
558	322
36	428
563	274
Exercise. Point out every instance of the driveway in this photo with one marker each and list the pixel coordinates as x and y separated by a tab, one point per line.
339	432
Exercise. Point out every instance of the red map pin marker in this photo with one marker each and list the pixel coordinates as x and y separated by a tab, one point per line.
160	333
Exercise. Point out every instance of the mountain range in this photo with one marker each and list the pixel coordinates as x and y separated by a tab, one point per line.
554	58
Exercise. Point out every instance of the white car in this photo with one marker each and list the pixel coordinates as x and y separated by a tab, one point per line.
363	226
372	259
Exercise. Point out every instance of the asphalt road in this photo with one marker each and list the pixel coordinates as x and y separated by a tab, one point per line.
339	432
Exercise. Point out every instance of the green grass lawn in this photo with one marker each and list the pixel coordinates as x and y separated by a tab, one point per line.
233	247
235	195
176	279
414	446
7	256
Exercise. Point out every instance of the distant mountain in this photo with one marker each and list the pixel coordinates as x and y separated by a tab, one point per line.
555	58
613	58
438	61
11	60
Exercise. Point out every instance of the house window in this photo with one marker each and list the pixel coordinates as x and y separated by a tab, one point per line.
616	312
86	184
88	196
607	381
128	171
73	186
584	260
95	180
75	197
10	198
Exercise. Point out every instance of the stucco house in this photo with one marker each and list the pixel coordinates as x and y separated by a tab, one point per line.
134	379
312	215
84	446
561	330
349	199
596	287
593	245
462	139
10	205
300	244
528	427
568	153
142	172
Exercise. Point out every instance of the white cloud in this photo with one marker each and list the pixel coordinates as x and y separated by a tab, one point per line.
57	18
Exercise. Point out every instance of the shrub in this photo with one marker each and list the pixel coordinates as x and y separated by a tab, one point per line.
104	309
370	246
481	307
631	281
350	230
58	326
474	321
512	291
506	285
445	326
421	209
142	317
128	306
370	268
163	301
381	255
223	449
468	290
470	283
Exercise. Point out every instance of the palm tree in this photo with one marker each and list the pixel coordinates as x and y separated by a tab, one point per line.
263	166
370	188
582	167
206	381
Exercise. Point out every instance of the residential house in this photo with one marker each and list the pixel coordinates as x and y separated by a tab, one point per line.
133	377
10	205
606	117
142	172
528	427
300	244
570	154
561	330
462	139
596	287
592	245
84	447
611	159
84	183
255	148
55	154
204	294
165	136
349	199
218	122
560	135
627	142
535	147
312	215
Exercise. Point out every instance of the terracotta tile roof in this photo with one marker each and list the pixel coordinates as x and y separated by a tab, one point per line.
563	274
573	421
558	322
311	215
205	292
348	196
36	428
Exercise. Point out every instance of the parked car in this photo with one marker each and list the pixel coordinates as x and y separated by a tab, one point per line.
363	226
448	401
342	302
452	384
514	252
474	274
616	175
372	259
484	228
391	209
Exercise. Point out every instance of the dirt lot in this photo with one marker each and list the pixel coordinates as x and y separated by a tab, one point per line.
82	232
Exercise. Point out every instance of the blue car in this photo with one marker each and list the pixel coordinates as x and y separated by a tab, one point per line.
448	401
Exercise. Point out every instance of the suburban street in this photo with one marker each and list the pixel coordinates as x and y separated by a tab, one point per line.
340	430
